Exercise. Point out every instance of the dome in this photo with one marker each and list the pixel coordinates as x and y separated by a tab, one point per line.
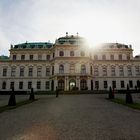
70	40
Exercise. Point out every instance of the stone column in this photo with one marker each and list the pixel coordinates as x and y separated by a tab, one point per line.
89	83
55	83
66	84
78	82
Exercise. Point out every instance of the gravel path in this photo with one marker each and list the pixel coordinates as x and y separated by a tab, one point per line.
71	117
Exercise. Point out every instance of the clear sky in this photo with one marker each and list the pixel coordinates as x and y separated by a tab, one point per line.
99	21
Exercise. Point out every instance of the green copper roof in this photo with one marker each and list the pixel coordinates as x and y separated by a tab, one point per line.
3	57
34	45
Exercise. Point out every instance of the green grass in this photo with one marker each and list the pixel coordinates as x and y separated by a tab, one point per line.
121	101
6	107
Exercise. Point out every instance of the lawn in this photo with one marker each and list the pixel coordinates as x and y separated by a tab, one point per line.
6	107
121	101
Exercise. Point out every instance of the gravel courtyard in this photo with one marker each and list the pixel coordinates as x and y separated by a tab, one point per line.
70	117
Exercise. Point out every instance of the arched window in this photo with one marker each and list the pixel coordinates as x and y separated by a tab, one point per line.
104	71
120	56
13	71
83	69
111	57
95	57
129	70
61	84
21	71
61	53
121	70
96	71
39	71
71	53
83	84
4	85
82	53
47	71
103	57
61	69
112	70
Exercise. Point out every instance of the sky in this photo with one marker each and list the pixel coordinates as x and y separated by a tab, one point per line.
99	21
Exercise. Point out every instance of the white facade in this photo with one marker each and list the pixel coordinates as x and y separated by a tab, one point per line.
69	64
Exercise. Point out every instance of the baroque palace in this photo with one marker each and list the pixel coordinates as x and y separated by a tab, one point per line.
69	64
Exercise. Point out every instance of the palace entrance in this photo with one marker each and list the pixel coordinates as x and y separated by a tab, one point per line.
72	84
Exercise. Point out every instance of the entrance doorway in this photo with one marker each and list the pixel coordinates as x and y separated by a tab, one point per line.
72	84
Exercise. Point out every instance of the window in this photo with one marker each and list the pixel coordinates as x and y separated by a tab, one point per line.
20	85
39	57
4	71
39	69
61	69
31	57
52	70
122	84
121	71
4	85
30	72
113	84
83	84
22	71
38	85
72	68
12	85
83	69
53	55
61	53
104	71
97	85
103	57
112	70
112	57
137	69
128	57
105	84
61	84
82	53
138	83
14	57
71	53
22	57
47	85
13	71
47	71
48	57
96	72
131	84
95	57
120	57
129	70
91	70
29	85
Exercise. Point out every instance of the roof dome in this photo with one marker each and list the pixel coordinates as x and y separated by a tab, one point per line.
70	40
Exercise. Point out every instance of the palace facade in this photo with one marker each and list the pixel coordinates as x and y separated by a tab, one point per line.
69	64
